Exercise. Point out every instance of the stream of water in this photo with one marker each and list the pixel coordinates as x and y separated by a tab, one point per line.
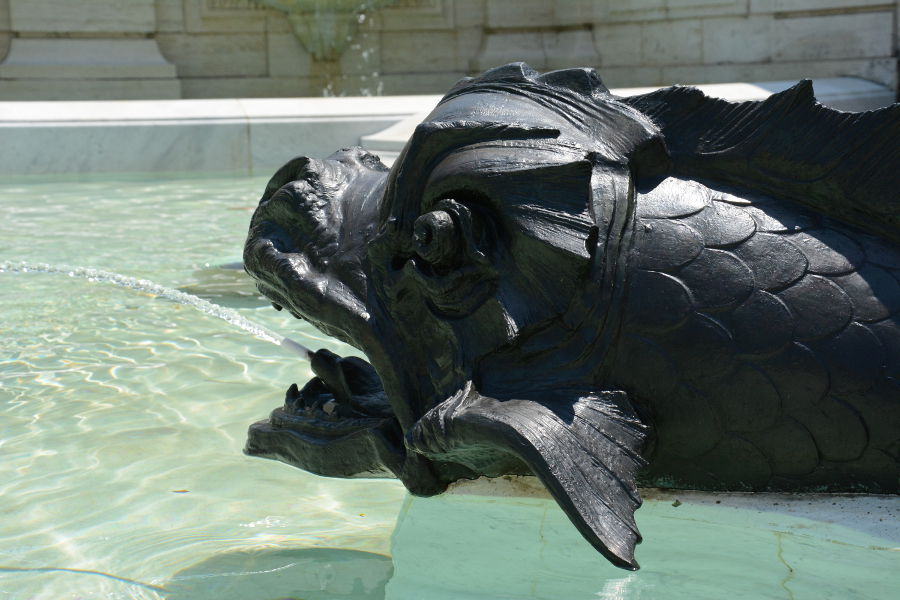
148	287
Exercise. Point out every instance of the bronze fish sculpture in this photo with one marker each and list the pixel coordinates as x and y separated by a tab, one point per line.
605	292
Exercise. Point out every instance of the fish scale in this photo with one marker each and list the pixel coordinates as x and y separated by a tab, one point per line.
780	330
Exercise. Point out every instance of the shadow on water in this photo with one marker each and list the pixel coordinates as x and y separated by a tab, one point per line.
299	574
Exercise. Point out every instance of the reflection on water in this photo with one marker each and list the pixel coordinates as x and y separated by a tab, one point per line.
123	417
617	588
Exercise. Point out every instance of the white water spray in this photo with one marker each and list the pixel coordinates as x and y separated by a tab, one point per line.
147	286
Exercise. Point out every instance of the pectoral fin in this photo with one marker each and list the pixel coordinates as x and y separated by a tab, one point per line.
584	446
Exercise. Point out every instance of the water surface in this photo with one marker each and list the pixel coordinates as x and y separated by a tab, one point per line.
124	415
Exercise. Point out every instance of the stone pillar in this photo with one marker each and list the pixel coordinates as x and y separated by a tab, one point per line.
86	50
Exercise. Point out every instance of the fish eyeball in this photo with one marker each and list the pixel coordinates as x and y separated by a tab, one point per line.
436	237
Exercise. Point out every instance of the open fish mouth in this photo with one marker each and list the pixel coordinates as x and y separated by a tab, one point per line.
307	254
345	393
343	407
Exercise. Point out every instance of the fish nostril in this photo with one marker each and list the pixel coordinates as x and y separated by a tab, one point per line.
279	244
271	236
398	262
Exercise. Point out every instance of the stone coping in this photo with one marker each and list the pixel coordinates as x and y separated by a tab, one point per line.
239	136
80	112
254	136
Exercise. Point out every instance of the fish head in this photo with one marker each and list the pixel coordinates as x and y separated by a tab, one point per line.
460	273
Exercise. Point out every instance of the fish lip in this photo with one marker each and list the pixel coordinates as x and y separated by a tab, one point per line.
352	440
314	425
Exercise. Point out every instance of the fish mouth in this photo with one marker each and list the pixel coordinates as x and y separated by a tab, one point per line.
339	423
307	255
346	394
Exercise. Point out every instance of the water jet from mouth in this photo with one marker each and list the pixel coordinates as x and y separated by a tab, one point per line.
144	285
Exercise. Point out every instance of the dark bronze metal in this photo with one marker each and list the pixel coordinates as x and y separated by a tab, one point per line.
666	289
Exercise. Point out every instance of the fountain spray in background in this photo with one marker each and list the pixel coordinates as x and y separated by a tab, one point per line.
327	28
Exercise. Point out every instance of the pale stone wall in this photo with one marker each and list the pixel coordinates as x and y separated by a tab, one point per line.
661	42
239	48
59	49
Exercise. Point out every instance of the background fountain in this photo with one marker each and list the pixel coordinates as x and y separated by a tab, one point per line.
246	48
327	28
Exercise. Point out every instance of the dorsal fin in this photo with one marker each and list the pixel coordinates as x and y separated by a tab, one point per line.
584	81
843	164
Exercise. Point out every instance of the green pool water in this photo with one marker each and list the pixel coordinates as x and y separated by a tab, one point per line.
124	415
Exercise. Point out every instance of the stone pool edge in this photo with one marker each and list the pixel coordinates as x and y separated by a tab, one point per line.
255	136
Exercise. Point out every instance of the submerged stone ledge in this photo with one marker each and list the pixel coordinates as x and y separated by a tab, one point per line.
877	514
511	539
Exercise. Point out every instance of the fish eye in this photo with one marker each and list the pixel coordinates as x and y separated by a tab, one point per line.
436	238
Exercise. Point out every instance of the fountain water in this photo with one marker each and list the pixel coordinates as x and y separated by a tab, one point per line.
146	286
327	29
124	419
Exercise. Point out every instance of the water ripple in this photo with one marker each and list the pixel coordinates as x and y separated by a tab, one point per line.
124	417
